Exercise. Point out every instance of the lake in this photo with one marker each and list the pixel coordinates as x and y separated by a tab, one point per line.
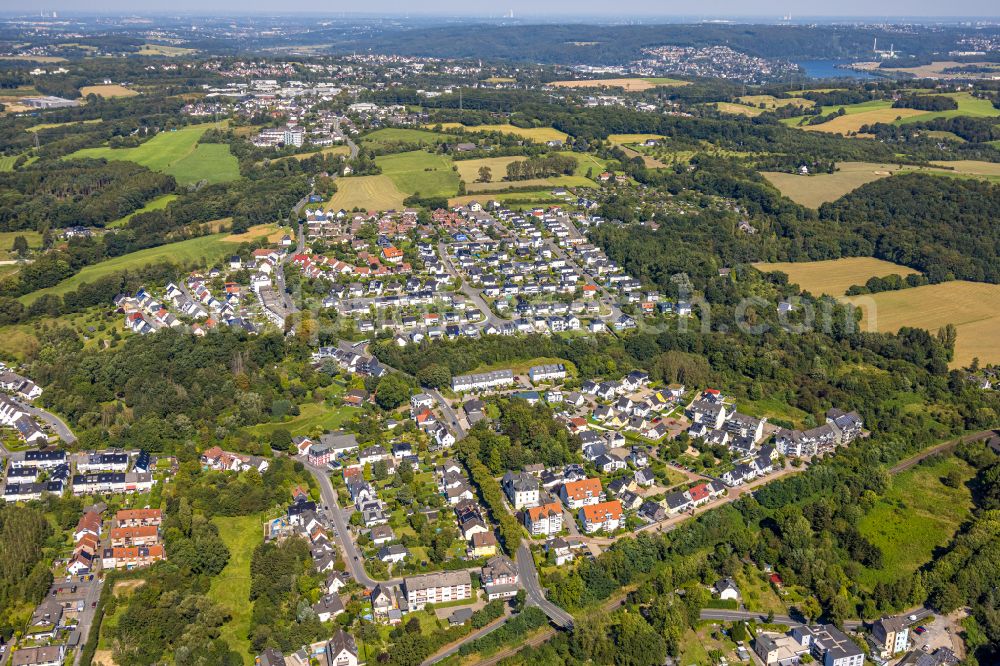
827	69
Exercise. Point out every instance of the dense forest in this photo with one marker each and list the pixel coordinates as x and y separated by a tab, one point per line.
946	228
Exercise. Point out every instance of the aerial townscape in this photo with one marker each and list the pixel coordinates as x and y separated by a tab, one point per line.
540	335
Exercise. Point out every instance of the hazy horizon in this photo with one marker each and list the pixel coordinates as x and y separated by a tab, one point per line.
568	10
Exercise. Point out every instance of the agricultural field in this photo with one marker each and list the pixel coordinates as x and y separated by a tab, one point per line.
231	588
539	134
33	58
853	122
624	139
973	307
7	241
834	276
332	150
469	172
514	200
368	193
917	515
419	171
968	105
159	203
179	154
41	126
771	102
738	109
203	251
390	135
164	50
811	191
628	84
968	169
272	232
108	91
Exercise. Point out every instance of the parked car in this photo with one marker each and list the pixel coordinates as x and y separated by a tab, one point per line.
919	630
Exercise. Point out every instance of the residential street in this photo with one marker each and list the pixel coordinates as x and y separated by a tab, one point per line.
57	424
533	588
351	555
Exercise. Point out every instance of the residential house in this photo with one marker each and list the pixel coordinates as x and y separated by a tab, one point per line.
604	516
890	636
546	519
341	650
437	588
577	494
726	589
499	578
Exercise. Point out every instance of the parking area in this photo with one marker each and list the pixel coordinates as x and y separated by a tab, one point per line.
939	632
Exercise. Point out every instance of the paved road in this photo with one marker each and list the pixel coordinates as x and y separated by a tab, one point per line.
450	414
57	424
534	591
470	292
351	555
353	147
87	616
918	613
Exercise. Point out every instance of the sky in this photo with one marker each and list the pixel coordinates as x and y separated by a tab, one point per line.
620	10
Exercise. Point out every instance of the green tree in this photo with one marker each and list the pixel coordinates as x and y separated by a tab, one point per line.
392	391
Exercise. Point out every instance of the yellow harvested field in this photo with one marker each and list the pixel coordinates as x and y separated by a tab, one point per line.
164	50
973	307
738	109
44	59
817	189
772	102
469	169
852	122
108	91
368	193
649	162
834	276
272	232
540	134
972	167
628	84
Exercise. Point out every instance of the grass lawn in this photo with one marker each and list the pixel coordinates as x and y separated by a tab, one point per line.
772	408
159	203
7	161
231	588
368	193
314	417
771	102
834	276
917	515
757	593
203	251
420	171
179	154
521	367
7	241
